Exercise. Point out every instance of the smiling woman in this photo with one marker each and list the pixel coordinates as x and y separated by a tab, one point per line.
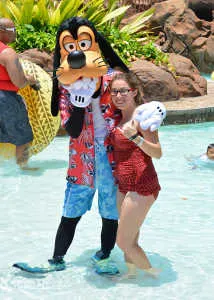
135	175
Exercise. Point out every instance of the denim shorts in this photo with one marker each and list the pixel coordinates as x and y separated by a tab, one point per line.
78	198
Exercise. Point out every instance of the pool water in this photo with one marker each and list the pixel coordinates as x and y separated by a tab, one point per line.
207	76
177	235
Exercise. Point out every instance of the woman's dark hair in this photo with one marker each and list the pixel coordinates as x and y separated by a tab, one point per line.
134	82
210	146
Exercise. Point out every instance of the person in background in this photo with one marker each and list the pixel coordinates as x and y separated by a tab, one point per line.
210	151
138	186
203	160
14	123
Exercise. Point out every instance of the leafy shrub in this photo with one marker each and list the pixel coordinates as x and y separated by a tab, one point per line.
28	37
152	53
127	46
37	22
130	48
45	15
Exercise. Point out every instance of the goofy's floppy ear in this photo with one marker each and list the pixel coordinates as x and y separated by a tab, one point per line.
109	54
55	89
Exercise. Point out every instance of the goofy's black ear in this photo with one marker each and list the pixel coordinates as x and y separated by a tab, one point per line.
109	54
54	98
55	89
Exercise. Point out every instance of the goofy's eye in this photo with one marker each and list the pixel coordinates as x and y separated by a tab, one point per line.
70	47
84	44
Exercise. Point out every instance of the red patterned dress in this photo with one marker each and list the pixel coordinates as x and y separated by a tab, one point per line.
134	169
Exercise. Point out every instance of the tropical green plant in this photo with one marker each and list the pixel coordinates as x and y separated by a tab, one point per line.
44	16
47	12
124	44
37	22
128	40
130	48
3	9
28	37
151	52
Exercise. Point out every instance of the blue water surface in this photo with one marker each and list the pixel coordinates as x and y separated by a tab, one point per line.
177	235
207	76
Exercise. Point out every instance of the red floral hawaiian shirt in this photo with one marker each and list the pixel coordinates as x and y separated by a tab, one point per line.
81	150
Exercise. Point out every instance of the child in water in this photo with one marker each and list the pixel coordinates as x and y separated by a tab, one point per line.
210	152
205	159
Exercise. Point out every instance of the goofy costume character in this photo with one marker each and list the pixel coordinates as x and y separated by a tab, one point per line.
81	62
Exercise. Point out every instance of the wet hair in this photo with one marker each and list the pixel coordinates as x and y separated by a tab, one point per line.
134	82
210	146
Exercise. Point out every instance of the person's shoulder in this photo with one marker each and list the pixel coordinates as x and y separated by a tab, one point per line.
8	52
203	157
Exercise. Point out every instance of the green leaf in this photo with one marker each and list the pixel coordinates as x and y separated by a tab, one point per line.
14	11
55	17
117	12
26	11
138	23
70	9
42	13
3	9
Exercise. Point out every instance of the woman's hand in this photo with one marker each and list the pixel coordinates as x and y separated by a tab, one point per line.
130	128
149	143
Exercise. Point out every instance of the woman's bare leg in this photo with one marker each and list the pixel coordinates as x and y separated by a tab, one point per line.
133	212
131	268
120	198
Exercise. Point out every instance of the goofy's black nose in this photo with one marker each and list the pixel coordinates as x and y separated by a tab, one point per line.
76	59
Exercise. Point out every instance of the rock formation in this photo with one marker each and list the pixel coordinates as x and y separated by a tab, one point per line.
162	85
186	27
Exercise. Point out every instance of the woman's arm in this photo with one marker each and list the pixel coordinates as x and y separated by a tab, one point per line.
149	143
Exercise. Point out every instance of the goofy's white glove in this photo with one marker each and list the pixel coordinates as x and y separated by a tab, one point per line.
81	91
150	115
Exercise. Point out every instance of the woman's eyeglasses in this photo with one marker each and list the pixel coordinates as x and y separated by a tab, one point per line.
123	92
10	29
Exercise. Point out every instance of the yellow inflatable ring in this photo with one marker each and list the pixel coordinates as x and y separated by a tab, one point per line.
44	125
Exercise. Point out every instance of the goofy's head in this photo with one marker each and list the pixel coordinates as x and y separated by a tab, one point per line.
81	58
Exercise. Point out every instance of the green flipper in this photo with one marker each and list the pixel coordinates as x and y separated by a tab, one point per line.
41	269
106	267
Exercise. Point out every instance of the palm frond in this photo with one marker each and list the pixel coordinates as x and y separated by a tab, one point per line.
41	14
26	11
139	23
14	11
3	9
70	8
117	12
